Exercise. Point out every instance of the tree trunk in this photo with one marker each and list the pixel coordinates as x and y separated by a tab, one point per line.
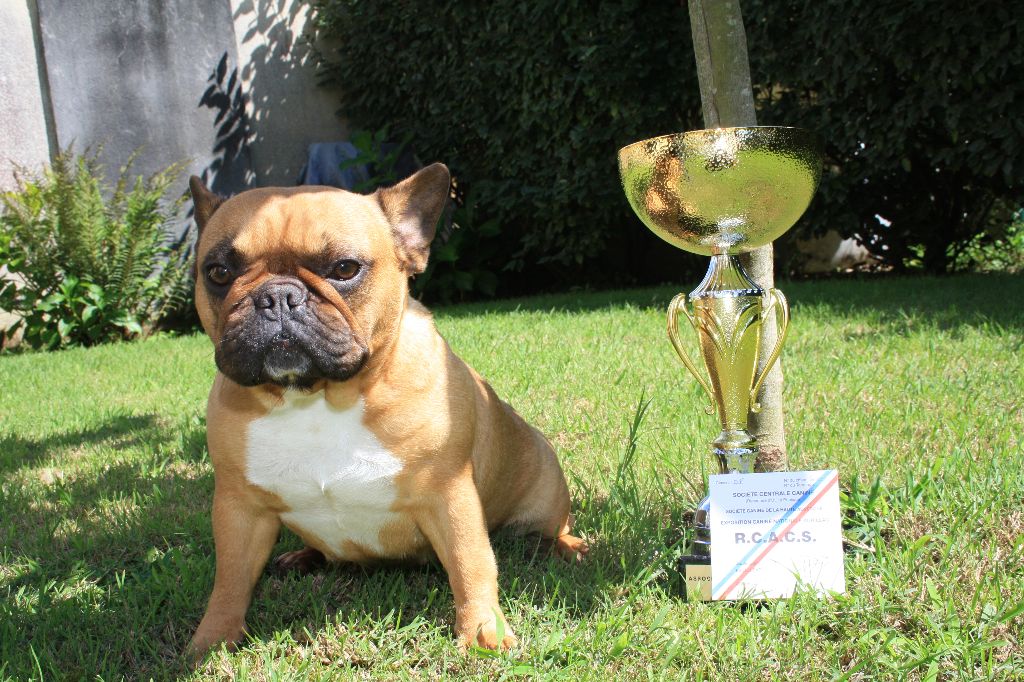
727	98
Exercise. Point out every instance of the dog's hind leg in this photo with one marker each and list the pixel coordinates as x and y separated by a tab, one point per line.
567	546
544	509
302	561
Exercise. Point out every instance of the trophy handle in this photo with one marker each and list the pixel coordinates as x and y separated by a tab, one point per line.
782	320
681	302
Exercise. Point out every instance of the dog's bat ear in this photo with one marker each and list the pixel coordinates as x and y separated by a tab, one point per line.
413	208
204	202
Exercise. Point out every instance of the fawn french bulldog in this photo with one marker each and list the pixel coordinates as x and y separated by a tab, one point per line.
339	411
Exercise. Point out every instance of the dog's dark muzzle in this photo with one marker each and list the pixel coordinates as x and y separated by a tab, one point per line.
289	338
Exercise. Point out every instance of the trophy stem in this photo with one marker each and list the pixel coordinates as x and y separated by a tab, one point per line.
728	307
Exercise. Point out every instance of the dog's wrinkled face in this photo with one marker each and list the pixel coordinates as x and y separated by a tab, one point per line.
295	285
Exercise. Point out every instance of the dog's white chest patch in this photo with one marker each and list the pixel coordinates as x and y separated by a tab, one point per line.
336	477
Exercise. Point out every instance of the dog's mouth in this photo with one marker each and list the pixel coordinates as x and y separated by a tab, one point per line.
250	356
286	364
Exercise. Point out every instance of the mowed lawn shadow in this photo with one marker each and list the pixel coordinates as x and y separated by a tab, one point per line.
953	302
125	430
947	302
571	302
94	544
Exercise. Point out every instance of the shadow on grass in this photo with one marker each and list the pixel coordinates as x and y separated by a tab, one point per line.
93	549
107	570
942	302
946	302
122	431
571	302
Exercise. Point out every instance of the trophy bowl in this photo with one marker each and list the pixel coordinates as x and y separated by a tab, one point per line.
722	190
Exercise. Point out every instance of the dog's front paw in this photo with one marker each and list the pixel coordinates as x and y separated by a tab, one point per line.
481	628
211	635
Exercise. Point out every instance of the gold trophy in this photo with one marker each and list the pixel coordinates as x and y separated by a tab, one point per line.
720	193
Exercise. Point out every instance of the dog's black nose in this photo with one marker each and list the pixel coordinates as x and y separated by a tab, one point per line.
280	296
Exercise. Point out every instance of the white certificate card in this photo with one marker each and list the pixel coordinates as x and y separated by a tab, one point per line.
773	532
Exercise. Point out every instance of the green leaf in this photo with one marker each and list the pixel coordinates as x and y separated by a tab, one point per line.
463	281
95	291
129	324
621	644
1010	613
486	282
490	228
445	254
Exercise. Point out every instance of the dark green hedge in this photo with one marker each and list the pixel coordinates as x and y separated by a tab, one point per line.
529	102
921	106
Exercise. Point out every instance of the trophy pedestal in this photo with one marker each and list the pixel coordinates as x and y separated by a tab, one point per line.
697	571
728	310
695	565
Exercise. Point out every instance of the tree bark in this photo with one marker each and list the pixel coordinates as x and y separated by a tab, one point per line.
727	98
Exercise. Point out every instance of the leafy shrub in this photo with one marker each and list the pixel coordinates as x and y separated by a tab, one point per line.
919	103
83	314
999	249
95	263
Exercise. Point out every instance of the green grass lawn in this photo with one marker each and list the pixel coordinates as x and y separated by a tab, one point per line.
912	388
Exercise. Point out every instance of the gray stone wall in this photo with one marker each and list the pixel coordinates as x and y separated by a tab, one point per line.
288	110
129	75
227	85
23	136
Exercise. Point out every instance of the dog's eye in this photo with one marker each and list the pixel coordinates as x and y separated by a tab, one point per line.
346	269
218	274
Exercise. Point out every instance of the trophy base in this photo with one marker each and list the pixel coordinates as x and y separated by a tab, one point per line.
735	455
696	568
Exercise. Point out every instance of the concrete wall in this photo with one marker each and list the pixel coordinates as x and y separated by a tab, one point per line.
23	131
125	73
287	109
137	75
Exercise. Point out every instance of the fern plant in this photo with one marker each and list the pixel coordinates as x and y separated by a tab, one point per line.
91	263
